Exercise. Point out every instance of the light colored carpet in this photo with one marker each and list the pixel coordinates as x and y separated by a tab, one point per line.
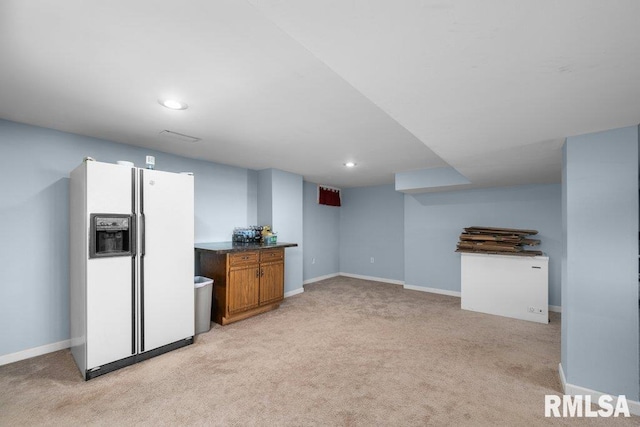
346	352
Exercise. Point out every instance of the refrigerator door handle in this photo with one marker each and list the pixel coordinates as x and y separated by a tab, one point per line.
142	253
142	234
141	303
133	304
133	235
133	238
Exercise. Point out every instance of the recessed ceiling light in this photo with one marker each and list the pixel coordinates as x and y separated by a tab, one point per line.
173	104
349	164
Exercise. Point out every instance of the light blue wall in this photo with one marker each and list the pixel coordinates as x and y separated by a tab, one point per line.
252	197
280	205
287	222
265	197
434	221
321	235
600	286
34	170
371	225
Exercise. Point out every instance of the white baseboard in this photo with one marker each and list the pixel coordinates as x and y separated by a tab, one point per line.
555	308
293	292
563	379
374	279
433	290
570	389
33	352
319	278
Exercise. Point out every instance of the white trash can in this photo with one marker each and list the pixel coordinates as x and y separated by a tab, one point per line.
203	292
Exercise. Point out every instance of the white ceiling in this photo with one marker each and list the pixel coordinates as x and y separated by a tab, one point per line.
489	87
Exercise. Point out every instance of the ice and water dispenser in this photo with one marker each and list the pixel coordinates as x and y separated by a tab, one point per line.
111	235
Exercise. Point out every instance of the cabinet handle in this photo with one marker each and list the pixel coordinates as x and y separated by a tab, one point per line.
262	272
245	257
535	266
258	272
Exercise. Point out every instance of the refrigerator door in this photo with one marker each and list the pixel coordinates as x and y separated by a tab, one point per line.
167	258
110	282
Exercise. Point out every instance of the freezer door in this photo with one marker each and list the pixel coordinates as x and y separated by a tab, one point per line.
167	263
110	311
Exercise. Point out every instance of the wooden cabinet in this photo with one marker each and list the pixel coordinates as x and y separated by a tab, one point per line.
244	283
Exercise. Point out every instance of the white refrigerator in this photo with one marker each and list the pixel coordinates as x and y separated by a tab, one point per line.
131	264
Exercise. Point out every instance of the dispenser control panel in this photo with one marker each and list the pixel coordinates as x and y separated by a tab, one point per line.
112	223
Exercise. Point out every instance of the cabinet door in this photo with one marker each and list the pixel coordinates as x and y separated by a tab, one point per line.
243	288
271	282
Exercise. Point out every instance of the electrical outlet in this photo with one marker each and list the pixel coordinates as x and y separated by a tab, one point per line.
372	260
313	260
535	310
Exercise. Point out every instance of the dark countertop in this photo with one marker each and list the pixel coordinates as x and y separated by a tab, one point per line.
227	247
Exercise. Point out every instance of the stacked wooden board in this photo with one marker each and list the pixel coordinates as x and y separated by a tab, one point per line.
502	241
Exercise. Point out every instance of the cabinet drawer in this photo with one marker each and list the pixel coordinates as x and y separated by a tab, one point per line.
243	258
271	255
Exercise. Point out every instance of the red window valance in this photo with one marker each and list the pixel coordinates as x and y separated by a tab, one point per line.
328	196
